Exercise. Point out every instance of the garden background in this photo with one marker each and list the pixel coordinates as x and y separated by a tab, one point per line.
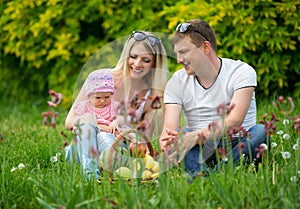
45	45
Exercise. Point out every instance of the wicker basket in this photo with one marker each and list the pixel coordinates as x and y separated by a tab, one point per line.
114	155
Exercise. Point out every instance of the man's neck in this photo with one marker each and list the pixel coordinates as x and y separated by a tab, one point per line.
210	73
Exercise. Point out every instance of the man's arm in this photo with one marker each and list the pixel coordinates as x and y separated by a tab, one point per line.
241	100
171	124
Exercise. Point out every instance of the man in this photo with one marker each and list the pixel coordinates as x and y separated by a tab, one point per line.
215	94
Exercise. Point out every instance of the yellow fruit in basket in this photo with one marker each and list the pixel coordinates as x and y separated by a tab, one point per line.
136	165
154	175
149	163
147	156
146	174
124	172
155	168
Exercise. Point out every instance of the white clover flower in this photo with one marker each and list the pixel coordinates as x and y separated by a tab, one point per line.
298	172
53	159
295	146
21	166
294	179
13	169
280	132
286	155
286	136
285	122
58	154
273	144
263	147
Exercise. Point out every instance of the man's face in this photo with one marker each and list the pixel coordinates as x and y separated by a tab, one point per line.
189	55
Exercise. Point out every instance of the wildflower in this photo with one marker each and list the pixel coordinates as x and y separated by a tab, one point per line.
294	179
298	172
121	108
286	136
286	155
215	127
93	152
53	120
295	146
282	102
273	144
281	99
143	126
241	147
56	98
135	102
222	153
132	116
156	102
238	132
47	115
261	150
53	159
65	144
21	166
223	110
202	138
13	169
285	122
270	128
280	132
296	125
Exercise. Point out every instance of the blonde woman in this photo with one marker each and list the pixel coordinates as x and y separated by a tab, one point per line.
140	74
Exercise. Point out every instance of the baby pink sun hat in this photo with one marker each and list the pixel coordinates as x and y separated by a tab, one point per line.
99	81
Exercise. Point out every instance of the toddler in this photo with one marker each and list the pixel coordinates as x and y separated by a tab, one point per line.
99	107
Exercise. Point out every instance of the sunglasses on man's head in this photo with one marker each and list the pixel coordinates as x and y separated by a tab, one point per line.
140	36
183	27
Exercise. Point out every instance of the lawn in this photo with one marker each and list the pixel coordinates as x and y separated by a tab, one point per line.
31	177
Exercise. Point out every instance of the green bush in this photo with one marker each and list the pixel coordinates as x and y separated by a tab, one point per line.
45	43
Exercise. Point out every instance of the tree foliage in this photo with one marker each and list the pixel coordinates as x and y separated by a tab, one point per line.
45	43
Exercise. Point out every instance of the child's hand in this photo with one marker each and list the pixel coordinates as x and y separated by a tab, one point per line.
112	128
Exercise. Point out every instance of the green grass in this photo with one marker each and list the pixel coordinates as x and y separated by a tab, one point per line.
44	184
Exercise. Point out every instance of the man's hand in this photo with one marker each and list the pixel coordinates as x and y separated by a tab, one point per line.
177	146
169	138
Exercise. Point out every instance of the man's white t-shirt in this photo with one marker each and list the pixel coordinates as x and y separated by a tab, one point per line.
199	105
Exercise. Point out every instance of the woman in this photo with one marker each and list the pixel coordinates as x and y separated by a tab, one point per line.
141	72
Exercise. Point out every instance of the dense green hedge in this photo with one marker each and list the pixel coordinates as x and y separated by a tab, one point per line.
45	43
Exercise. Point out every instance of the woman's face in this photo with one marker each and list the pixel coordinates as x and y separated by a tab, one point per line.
140	61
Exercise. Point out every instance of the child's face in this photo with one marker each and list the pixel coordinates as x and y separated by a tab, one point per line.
101	99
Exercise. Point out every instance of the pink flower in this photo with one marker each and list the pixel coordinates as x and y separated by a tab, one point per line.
135	102
143	126
93	152
132	116
56	98
261	150
53	120
215	127
222	153
296	125
47	116
223	110
156	102
241	147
